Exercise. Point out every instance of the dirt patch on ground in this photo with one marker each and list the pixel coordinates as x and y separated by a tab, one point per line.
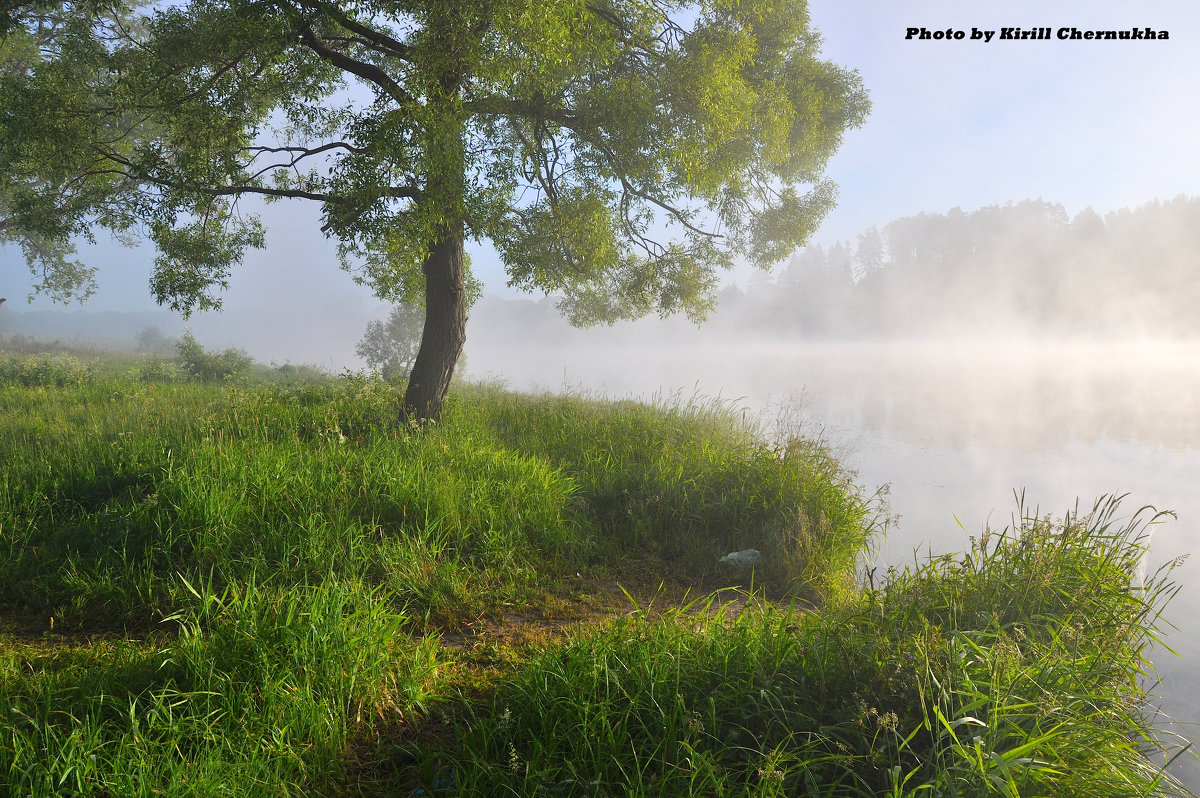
575	603
480	652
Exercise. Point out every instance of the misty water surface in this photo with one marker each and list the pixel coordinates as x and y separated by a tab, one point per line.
953	430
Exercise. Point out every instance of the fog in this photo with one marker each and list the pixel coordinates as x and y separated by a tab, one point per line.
953	428
948	344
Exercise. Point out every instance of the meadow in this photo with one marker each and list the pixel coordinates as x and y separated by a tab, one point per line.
260	582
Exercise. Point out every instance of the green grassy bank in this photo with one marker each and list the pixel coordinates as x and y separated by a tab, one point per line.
271	587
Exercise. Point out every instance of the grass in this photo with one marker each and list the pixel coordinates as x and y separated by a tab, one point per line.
1011	670
271	587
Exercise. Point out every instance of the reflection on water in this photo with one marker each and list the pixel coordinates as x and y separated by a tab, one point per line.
954	430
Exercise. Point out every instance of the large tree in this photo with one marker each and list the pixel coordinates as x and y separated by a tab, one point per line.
617	153
57	185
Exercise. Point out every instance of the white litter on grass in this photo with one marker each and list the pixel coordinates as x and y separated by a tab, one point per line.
746	558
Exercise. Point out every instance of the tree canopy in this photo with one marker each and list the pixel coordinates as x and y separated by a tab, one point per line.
57	186
617	153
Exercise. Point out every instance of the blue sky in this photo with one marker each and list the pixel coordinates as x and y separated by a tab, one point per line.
1105	124
964	123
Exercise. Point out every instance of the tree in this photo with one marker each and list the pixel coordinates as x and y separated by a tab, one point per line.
869	254
57	185
616	152
153	341
840	264
202	365
390	347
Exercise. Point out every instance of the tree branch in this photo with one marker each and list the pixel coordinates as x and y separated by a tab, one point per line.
514	109
142	177
308	151
381	41
368	72
298	155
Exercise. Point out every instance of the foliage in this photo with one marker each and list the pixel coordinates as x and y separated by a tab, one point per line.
152	341
157	370
204	366
618	154
598	117
947	681
278	588
53	65
44	370
389	347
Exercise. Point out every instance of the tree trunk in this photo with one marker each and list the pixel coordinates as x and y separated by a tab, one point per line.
445	280
445	329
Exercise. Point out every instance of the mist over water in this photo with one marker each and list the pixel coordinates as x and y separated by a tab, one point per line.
954	428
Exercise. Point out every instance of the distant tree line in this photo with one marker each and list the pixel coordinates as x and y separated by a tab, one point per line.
1024	265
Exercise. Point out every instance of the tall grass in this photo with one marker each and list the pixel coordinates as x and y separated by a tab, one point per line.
257	694
1016	669
243	589
691	482
112	488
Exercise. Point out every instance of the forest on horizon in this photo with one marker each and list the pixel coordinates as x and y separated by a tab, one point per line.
1021	268
1018	266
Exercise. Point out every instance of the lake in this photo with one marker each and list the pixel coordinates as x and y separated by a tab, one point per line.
953	430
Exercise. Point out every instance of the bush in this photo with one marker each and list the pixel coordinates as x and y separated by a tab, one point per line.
203	366
152	341
157	370
49	371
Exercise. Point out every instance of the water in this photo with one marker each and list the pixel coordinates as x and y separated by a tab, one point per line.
954	430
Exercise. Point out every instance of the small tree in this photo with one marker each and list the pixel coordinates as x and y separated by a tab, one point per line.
390	346
204	366
152	341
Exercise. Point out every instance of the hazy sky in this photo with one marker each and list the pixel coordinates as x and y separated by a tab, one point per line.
955	123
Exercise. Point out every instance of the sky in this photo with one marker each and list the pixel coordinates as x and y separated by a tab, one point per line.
955	123
965	123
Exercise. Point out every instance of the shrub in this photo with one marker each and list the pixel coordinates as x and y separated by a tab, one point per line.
152	341
203	366
157	370
48	371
